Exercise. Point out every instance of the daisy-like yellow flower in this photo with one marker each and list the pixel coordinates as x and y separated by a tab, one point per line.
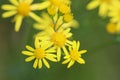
59	5
59	38
103	6
74	55
42	51
21	9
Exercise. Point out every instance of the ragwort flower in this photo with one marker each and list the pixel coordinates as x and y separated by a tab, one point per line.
59	39
74	55
102	4
42	51
21	9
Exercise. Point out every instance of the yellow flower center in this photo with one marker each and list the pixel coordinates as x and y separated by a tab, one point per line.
39	53
74	54
24	8
58	39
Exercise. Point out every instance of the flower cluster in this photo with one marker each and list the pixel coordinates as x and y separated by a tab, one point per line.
53	42
111	9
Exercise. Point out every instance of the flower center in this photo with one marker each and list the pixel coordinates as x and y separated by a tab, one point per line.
74	54
24	8
58	39
39	53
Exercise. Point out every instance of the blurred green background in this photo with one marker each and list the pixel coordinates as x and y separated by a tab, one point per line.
102	58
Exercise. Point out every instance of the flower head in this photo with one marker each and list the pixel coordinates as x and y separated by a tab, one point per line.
42	51
103	6
22	8
74	55
59	39
59	5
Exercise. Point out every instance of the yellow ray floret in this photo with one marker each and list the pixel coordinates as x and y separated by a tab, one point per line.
74	55
22	8
42	51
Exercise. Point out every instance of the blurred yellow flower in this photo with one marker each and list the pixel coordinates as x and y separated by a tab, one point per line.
59	5
42	51
22	8
111	28
59	38
74	55
103	6
56	22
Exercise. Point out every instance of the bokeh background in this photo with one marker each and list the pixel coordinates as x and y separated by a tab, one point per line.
102	58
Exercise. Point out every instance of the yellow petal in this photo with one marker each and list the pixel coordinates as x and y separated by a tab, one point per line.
51	55
73	23
93	4
66	61
30	58
40	6
37	42
82	51
40	63
51	58
29	1
58	54
35	63
65	57
46	44
51	50
65	50
27	53
78	45
9	7
81	61
14	2
74	45
69	42
35	17
103	10
8	14
69	35
71	63
29	48
46	63
18	22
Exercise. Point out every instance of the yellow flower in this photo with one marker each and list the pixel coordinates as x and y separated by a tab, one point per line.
42	51
58	38
22	8
103	6
59	5
74	55
111	28
55	22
